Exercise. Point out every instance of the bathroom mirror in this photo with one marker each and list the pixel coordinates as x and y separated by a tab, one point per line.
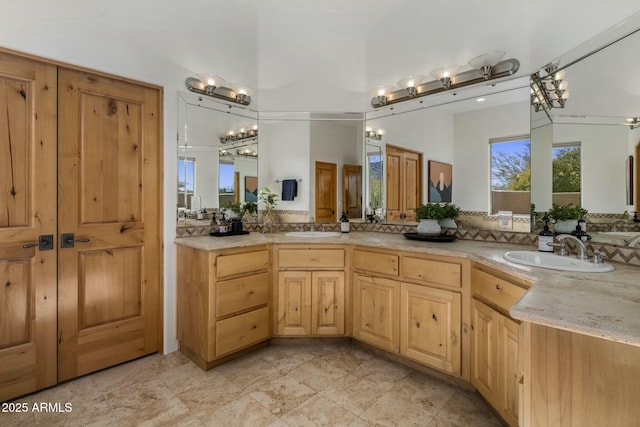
454	128
215	167
295	145
598	117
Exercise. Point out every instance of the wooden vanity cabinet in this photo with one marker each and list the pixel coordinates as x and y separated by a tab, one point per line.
496	362
223	302
411	305
311	291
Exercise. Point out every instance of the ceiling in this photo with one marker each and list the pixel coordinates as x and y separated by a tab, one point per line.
307	55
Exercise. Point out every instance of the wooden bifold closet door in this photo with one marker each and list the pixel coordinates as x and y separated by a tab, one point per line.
80	222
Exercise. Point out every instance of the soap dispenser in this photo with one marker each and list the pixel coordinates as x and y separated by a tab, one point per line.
545	237
344	223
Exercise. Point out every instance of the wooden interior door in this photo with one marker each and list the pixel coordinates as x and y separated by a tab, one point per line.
352	190
412	168
326	183
109	184
27	211
394	190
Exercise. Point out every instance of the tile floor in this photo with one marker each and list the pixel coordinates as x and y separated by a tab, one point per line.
279	386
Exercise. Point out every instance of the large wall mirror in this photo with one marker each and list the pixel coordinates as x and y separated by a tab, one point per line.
217	154
598	123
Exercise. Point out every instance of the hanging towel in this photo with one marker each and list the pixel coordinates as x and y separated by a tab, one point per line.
289	189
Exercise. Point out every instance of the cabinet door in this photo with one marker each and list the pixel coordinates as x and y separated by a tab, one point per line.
376	312
430	326
509	370
484	350
109	197
327	314
27	211
294	303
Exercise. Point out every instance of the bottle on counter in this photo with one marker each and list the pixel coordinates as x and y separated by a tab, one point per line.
344	223
545	236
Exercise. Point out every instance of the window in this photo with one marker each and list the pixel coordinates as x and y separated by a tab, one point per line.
566	168
226	178
511	175
374	179
186	180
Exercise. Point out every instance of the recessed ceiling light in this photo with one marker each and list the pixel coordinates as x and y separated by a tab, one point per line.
480	100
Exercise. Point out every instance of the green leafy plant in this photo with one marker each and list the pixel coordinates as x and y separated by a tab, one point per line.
268	198
437	211
234	207
565	212
251	207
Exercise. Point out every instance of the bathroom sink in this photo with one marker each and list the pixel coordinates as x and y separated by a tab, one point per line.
312	234
556	262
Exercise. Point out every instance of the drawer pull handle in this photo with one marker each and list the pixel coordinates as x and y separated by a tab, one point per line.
498	287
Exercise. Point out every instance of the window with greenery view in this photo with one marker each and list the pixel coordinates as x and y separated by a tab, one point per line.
374	165
511	175
566	173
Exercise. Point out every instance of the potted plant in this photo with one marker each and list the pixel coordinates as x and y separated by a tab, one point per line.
250	209
269	200
430	214
566	217
450	212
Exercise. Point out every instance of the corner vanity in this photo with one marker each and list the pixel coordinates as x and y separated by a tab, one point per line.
543	347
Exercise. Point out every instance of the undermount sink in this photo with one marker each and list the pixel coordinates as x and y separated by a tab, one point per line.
312	234
556	262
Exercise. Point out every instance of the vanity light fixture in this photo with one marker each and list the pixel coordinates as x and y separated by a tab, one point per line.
217	87
633	122
379	94
243	134
409	83
486	67
246	152
486	62
445	74
374	133
550	90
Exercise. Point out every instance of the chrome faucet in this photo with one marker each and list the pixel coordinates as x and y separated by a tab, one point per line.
313	224
633	241
581	249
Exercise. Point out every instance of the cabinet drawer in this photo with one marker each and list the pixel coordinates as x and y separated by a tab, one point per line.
375	262
229	265
311	258
498	291
242	294
444	273
242	331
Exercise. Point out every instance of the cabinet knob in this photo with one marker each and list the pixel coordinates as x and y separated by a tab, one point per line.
498	286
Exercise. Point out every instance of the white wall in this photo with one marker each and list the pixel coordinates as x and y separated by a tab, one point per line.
284	154
604	152
472	132
542	167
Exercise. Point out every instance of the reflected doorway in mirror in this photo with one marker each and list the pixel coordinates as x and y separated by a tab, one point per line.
440	181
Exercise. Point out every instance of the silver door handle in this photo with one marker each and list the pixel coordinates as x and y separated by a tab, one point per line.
68	240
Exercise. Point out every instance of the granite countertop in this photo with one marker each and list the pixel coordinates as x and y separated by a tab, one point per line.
604	305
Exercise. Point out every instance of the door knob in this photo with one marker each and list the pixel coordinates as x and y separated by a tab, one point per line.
45	243
68	240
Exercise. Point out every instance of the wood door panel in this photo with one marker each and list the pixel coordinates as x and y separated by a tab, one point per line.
109	285
110	144
326	183
15	302
109	163
294	303
27	210
328	303
352	190
15	156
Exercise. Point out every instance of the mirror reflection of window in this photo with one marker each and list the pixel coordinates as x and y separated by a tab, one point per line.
226	183
511	175
186	181
567	175
374	180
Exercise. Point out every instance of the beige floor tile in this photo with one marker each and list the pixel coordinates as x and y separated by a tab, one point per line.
135	372
95	412
319	373
382	372
428	393
392	410
466	409
353	393
212	391
319	411
282	395
244	412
